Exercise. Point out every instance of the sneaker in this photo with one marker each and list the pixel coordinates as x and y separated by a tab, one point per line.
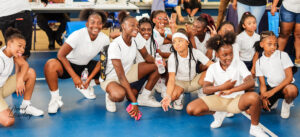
31	110
147	100
178	104
218	119
160	85
192	19
88	93
200	93
229	115
257	132
275	105
55	104
285	109
110	105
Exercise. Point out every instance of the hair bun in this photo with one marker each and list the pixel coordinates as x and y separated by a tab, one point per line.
229	38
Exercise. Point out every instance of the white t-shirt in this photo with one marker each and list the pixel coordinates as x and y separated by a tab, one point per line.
160	40
183	65
147	43
273	67
246	43
6	67
10	7
119	50
292	5
236	71
84	50
202	45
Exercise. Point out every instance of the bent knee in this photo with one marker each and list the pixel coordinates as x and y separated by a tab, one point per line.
52	64
31	73
252	97
292	91
9	122
117	96
194	110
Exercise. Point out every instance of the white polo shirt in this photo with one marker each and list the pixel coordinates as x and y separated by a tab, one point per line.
6	66
160	40
246	43
10	7
202	45
183	65
143	42
119	50
236	71
84	49
273	67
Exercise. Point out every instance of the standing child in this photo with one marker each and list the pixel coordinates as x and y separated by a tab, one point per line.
276	66
22	82
227	79
182	71
246	39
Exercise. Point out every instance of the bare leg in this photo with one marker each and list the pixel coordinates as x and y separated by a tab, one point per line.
178	11
29	83
194	11
151	70
251	101
198	108
7	118
116	92
297	42
285	32
52	70
290	93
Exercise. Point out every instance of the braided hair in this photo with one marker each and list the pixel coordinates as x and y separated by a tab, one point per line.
152	41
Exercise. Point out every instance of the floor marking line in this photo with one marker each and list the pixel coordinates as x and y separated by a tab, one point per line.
38	79
262	126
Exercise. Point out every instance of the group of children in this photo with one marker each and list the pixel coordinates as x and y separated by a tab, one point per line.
219	65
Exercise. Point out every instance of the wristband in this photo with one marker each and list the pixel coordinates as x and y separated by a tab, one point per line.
166	34
134	103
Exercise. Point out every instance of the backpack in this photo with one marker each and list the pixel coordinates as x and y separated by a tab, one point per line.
103	61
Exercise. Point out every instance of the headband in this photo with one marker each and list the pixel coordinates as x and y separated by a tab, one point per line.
179	35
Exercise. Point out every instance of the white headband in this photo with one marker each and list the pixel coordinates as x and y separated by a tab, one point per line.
179	35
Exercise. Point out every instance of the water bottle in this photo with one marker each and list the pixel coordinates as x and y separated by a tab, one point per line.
84	75
159	62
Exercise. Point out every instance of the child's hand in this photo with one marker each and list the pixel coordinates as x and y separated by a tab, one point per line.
212	30
166	103
134	111
86	84
20	87
228	84
268	94
189	30
77	82
273	10
225	92
266	103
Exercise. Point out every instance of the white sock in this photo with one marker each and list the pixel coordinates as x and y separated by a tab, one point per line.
146	91
55	93
180	97
25	102
254	126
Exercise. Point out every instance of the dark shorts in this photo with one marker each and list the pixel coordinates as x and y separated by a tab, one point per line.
276	96
138	85
248	65
79	68
193	4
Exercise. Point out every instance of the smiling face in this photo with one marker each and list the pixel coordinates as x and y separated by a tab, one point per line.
146	30
199	27
250	24
180	44
130	27
161	20
94	25
269	44
225	54
16	46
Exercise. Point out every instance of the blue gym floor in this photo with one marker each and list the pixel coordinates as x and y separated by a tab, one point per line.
83	117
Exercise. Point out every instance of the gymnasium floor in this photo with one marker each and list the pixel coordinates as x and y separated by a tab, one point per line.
83	117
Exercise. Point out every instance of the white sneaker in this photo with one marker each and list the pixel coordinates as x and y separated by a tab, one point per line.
285	109
55	104
31	110
200	93
178	104
88	93
229	115
110	105
160	85
218	119
147	100
257	132
275	105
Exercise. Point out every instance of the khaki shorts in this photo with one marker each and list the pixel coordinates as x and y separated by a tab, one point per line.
131	76
7	89
189	86
217	103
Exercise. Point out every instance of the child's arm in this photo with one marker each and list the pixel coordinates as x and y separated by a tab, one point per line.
163	54
255	58
21	70
92	75
147	57
208	87
288	79
170	88
248	83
